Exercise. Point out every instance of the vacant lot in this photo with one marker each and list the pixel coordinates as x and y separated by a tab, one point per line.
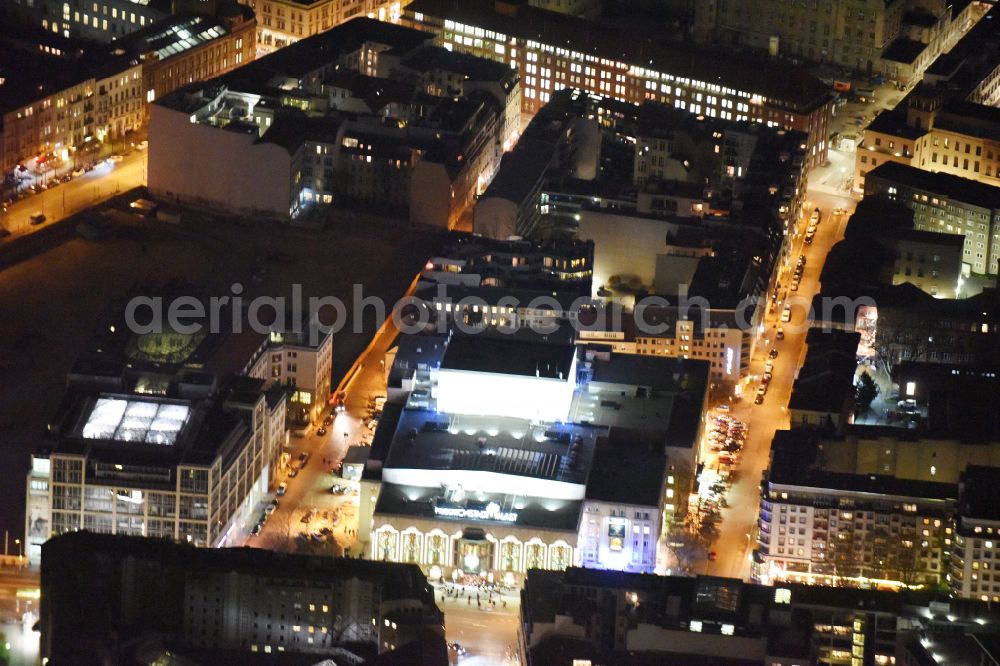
49	303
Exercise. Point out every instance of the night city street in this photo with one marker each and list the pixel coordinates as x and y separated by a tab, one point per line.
500	332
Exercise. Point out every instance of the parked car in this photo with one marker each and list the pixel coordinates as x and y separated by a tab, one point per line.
256	529
456	648
773	354
294	472
37	218
780	334
321	432
786	314
758	400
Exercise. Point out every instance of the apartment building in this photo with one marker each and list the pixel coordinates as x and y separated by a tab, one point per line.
97	21
873	36
949	122
186	48
632	65
150	599
899	498
865	507
301	361
359	130
945	203
189	468
578	615
975	569
284	22
59	108
471	260
957	138
63	101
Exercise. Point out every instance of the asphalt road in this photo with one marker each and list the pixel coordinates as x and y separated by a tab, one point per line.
488	634
736	534
310	487
103	182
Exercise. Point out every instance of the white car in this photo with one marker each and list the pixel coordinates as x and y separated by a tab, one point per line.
786	314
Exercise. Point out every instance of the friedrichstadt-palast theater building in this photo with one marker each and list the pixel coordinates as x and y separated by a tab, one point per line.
499	453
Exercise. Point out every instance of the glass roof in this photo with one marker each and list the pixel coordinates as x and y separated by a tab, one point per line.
143	421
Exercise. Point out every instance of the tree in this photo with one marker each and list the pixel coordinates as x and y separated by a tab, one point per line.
865	392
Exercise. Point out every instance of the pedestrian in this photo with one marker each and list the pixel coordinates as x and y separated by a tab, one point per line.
469	602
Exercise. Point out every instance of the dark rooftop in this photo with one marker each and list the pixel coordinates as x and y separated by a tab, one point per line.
797	459
826	379
310	55
494	354
472	67
979	493
960	189
400	581
903	50
639	45
626	473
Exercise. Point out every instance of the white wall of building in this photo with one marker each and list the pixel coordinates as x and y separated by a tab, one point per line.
495	217
203	165
618	537
623	246
515	396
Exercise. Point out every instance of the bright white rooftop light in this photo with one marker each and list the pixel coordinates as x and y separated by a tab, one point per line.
135	421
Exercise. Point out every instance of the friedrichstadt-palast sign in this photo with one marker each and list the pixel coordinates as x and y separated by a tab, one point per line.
491	512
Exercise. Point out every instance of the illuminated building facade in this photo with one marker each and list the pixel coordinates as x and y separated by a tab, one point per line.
906	500
82	103
707	619
186	48
147	465
101	21
467	492
150	599
284	22
301	362
159	434
367	127
945	203
835	525
628	66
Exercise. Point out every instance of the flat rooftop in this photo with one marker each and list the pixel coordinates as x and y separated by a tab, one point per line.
643	396
429	440
798	460
507	356
627	473
640	45
961	189
419	502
